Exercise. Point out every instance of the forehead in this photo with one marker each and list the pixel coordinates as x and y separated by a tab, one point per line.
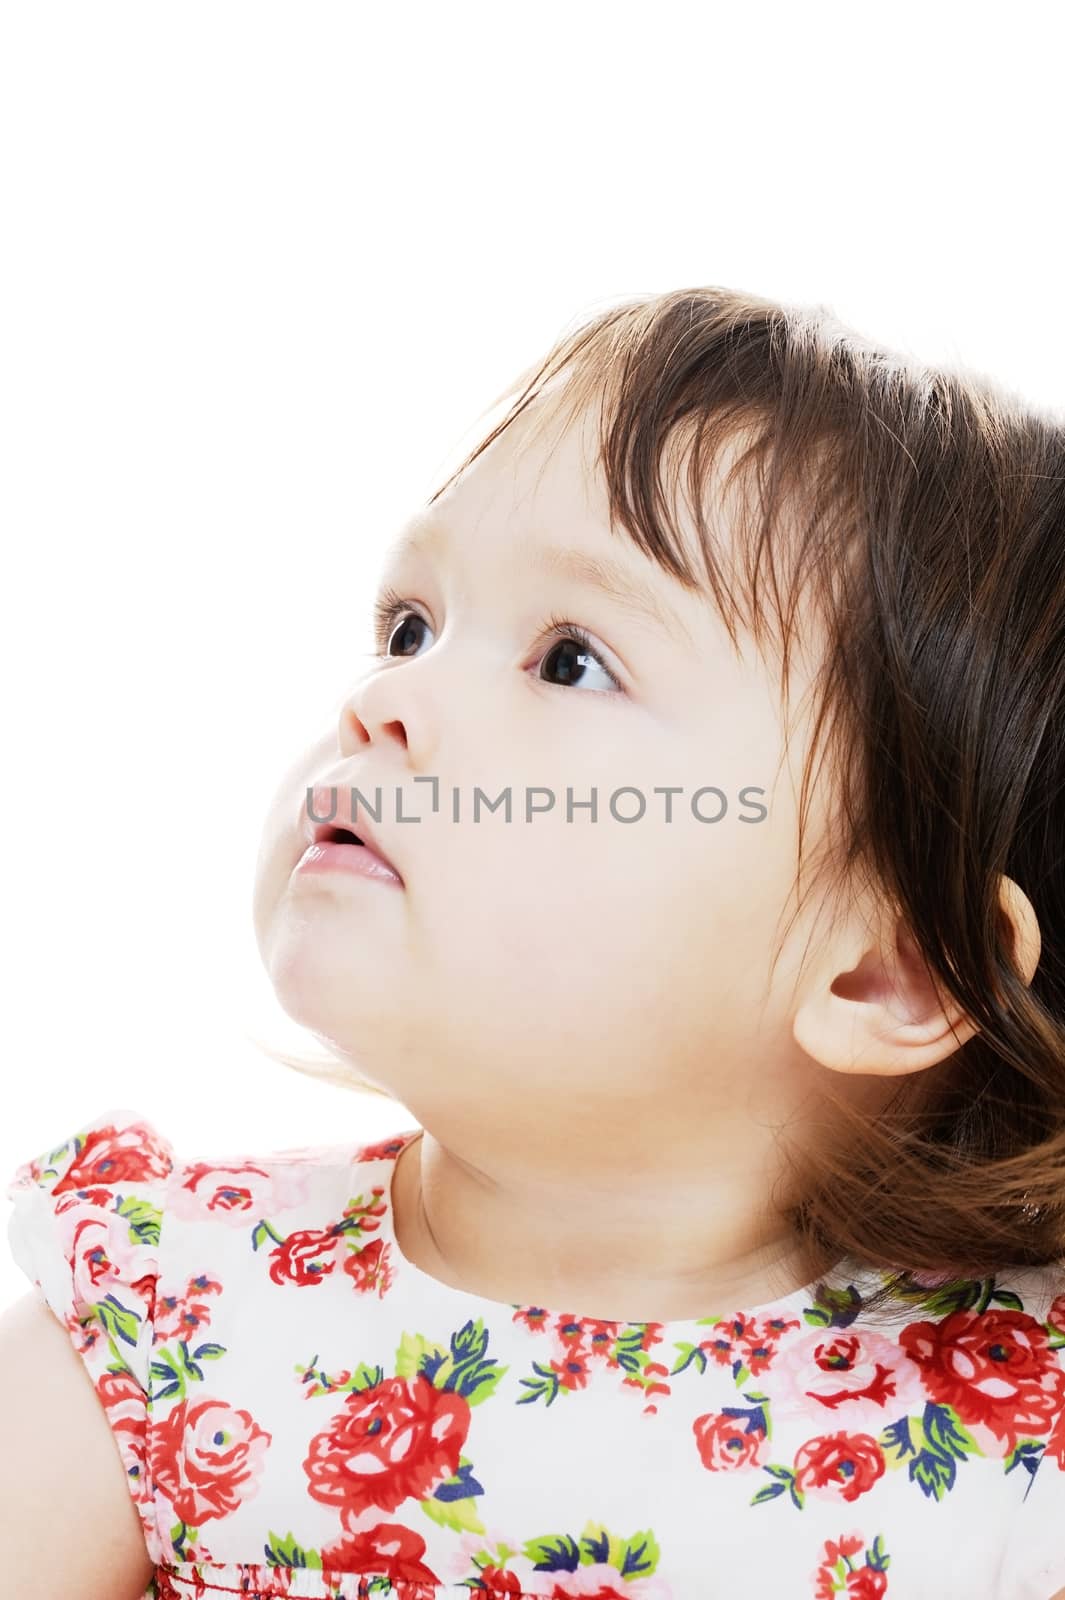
536	501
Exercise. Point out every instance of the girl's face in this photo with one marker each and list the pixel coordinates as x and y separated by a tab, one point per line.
570	970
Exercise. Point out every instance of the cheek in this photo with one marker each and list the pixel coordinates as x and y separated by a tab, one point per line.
280	842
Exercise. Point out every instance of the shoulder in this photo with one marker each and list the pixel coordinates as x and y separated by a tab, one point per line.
86	1221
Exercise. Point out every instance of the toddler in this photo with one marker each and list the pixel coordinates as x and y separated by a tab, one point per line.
689	863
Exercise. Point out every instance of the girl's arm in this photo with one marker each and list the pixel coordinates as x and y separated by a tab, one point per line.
68	1525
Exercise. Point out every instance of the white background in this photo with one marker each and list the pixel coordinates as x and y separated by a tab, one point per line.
263	267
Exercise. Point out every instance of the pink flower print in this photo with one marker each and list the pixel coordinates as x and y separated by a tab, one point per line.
186	1315
845	1371
103	1259
239	1193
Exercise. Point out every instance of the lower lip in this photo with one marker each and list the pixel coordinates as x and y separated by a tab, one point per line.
354	858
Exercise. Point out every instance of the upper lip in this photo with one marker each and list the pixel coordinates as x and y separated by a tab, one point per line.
329	797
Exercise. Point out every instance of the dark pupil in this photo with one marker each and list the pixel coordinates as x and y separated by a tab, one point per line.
408	622
570	654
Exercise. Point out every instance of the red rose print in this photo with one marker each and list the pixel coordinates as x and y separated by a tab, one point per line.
995	1369
391	1442
109	1155
387	1550
839	1465
496	1583
305	1256
207	1458
725	1442
867	1583
371	1267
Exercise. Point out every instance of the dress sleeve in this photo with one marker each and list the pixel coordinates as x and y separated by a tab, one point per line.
85	1230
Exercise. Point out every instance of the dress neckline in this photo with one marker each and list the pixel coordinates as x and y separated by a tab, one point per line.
784	1307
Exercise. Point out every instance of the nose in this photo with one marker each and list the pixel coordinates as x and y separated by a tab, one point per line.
382	710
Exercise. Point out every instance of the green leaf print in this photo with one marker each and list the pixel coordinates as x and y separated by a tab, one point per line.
547	1390
171	1371
144	1219
363	1377
463	1370
1025	1451
263	1231
450	1507
931	1446
287	1553
413	1349
117	1321
487	1557
690	1355
553	1552
785	1480
629	1349
635	1557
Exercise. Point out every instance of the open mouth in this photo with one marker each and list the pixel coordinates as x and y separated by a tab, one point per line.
365	857
337	836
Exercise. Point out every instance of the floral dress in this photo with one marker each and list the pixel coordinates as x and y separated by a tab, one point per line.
302	1411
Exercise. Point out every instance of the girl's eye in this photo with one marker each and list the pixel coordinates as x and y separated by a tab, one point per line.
570	653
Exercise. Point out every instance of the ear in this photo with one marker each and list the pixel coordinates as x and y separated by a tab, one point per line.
872	1007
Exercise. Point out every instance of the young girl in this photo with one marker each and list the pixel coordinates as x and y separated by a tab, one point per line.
690	865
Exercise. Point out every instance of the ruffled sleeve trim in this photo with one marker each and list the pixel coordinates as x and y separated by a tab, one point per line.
86	1230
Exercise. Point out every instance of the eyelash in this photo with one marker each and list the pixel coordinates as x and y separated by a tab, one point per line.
390	606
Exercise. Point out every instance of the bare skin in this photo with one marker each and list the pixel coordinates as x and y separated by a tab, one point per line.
581	1015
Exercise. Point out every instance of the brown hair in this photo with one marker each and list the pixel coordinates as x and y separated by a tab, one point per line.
924	510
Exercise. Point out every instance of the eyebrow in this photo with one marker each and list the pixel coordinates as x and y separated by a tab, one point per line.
594	572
